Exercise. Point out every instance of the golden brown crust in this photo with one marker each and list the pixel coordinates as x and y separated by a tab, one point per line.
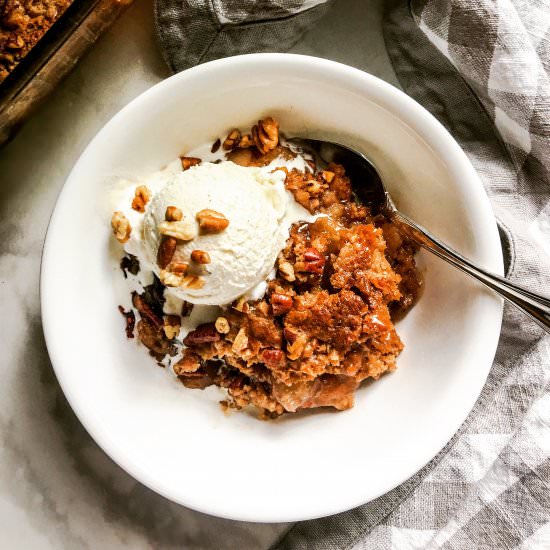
22	24
316	335
325	323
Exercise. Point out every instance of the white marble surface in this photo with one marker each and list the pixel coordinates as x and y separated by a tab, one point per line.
57	488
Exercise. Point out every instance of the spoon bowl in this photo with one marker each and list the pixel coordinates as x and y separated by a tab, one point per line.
369	188
359	168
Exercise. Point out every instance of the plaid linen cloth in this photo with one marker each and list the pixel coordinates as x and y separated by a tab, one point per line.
482	68
196	31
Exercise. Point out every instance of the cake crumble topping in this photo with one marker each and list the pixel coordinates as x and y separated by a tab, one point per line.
326	321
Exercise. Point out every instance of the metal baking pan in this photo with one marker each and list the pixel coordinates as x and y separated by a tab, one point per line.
52	58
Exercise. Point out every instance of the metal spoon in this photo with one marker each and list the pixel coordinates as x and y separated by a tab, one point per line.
373	194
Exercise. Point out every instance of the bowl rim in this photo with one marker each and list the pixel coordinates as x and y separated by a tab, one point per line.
399	104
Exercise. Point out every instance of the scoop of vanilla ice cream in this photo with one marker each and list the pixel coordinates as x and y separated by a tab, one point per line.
260	212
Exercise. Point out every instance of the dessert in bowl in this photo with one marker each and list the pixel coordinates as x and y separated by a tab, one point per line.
270	279
308	463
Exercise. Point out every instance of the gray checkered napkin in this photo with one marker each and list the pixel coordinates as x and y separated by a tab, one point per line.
482	68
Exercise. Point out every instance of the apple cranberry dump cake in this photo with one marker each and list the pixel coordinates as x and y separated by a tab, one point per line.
270	279
22	24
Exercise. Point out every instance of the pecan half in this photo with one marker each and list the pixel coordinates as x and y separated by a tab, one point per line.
200	257
281	303
173	214
211	221
121	227
203	334
142	196
314	261
166	251
187	162
232	139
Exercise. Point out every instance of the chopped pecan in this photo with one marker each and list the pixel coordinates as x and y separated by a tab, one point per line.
179	268
190	362
203	334
121	227
222	325
193	281
241	341
129	264
196	380
130	321
142	196
246	142
167	278
16	44
314	261
295	350
290	335
182	230
166	251
153	338
281	303
216	145
146	311
172	325
287	271
173	214
232	139
313	187
211	221
200	257
266	134
239	304
171	279
263	308
273	357
328	176
187	162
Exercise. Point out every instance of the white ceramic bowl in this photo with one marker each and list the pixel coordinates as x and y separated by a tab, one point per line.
177	441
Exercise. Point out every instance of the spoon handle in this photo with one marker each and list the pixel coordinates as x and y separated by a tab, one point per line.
535	306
